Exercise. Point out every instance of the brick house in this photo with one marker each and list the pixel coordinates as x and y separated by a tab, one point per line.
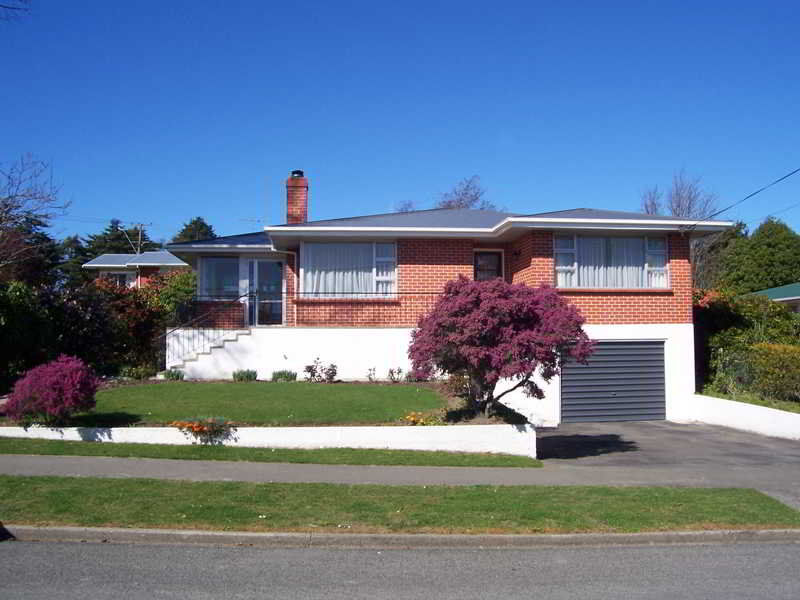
350	291
133	270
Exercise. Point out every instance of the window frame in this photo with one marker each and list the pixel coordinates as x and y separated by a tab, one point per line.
647	268
301	292
202	292
499	251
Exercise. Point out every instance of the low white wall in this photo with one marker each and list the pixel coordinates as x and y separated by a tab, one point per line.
505	439
739	415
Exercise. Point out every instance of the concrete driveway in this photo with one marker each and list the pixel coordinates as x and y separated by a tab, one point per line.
650	452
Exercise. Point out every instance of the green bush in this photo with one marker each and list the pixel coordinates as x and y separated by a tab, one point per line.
140	372
173	375
776	371
284	375
245	375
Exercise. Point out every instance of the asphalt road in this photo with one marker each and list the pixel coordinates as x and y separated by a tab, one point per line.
98	571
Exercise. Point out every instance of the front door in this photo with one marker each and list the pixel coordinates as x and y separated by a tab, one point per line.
266	292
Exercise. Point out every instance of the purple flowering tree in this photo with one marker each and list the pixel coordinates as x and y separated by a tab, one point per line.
492	330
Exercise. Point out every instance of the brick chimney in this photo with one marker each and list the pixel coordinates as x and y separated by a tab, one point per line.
296	197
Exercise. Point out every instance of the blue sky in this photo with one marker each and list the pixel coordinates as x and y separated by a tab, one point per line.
160	111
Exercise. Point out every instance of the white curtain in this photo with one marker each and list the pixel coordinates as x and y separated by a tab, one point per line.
338	270
591	262
626	263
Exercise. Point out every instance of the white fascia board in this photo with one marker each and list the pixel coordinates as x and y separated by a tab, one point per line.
219	247
787	299
144	264
107	267
505	225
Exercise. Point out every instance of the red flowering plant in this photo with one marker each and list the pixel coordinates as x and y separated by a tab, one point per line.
493	330
50	393
207	430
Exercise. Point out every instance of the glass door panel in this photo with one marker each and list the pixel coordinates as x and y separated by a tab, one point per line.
266	292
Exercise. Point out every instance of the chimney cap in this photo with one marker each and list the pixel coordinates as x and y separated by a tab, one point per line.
297	173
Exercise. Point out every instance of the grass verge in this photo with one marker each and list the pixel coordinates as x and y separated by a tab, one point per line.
372	508
750	398
325	456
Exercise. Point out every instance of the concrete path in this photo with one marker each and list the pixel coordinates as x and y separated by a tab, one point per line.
586	454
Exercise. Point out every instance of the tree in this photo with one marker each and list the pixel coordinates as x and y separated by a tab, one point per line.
28	202
196	229
491	330
115	239
405	206
710	254
39	263
685	198
73	256
770	257
467	193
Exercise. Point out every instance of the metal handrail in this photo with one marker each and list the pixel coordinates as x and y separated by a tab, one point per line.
199	318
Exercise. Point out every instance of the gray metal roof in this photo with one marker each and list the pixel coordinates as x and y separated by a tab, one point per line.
435	217
596	213
256	238
156	258
460	218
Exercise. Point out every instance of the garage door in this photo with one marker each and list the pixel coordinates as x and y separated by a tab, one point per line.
624	381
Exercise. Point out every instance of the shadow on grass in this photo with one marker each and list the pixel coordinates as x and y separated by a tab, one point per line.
108	419
579	446
502	413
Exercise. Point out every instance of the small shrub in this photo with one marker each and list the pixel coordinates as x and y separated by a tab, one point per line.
420	418
396	375
206	430
456	385
173	375
776	371
371	375
316	372
245	375
50	393
284	375
140	372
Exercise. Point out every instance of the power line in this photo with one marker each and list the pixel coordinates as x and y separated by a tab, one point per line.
758	191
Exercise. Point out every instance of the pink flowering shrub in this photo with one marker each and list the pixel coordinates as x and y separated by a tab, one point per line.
492	330
50	393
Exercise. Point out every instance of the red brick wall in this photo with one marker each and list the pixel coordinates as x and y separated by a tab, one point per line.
224	315
424	266
296	200
534	266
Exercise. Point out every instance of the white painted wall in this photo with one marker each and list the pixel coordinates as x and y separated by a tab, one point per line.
506	439
356	350
739	415
268	349
678	370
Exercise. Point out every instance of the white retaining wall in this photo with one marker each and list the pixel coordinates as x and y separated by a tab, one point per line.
356	350
739	415
505	439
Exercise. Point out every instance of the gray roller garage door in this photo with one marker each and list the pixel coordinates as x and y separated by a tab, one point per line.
624	381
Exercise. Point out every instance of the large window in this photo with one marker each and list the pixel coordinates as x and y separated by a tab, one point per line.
610	262
348	269
219	277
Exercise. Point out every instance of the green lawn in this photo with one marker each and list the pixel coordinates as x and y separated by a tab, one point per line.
326	456
259	403
372	508
750	398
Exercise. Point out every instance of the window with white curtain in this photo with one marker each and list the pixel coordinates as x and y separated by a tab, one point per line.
348	269
584	261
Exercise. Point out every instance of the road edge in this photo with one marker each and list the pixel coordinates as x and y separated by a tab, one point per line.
115	535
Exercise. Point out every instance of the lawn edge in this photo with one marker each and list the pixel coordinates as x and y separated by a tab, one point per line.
116	535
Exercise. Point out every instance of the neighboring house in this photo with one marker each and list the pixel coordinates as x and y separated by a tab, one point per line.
133	270
350	290
785	294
